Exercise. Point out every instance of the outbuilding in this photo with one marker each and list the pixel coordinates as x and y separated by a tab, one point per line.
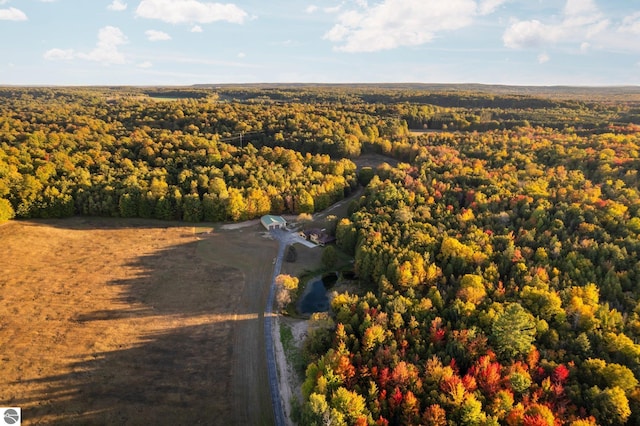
273	222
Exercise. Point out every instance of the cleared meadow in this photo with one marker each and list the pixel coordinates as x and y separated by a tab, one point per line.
111	321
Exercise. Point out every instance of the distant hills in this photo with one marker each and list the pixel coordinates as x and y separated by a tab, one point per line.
547	91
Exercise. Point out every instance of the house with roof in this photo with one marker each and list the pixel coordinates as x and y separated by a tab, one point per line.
273	222
317	236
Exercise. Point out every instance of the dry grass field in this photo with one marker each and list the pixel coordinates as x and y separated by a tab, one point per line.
128	322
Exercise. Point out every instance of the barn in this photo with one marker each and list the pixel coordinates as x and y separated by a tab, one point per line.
273	222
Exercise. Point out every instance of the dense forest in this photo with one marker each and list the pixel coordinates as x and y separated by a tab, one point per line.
499	257
85	152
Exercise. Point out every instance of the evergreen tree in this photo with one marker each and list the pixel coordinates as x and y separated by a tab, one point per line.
513	331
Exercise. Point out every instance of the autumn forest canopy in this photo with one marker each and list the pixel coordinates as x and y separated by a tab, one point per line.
497	250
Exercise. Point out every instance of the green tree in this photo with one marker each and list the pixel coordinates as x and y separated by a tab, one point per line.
146	205
192	208
329	257
349	403
163	209
471	412
365	175
346	236
128	204
598	372
609	406
292	254
513	331
213	208
542	302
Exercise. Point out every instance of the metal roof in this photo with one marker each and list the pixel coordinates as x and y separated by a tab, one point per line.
269	219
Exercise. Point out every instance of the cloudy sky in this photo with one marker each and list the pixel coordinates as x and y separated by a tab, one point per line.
183	42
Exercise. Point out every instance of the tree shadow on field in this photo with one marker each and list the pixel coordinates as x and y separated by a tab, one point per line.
179	341
174	281
110	223
177	377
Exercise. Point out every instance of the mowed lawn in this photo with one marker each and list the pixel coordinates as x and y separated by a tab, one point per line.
111	321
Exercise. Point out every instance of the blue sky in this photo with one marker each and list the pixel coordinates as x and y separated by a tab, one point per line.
183	42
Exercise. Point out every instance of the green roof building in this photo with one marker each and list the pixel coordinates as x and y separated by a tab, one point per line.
273	222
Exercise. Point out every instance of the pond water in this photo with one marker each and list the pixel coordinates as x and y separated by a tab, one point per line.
315	297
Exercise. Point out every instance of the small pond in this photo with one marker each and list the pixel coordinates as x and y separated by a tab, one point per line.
315	297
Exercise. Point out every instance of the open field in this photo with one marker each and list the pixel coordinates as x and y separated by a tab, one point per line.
374	160
106	321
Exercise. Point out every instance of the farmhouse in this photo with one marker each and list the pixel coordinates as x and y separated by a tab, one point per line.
273	222
317	236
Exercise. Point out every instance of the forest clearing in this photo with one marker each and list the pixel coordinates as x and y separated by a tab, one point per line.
138	321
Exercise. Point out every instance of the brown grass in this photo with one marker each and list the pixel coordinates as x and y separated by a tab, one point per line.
374	160
106	321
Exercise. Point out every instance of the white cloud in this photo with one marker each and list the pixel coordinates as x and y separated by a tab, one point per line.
190	11
12	14
196	29
59	54
241	55
580	26
487	7
543	57
631	24
145	64
117	6
581	21
394	23
578	8
529	34
154	35
334	9
311	8
584	47
106	50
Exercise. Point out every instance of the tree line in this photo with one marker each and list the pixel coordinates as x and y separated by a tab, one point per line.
72	152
